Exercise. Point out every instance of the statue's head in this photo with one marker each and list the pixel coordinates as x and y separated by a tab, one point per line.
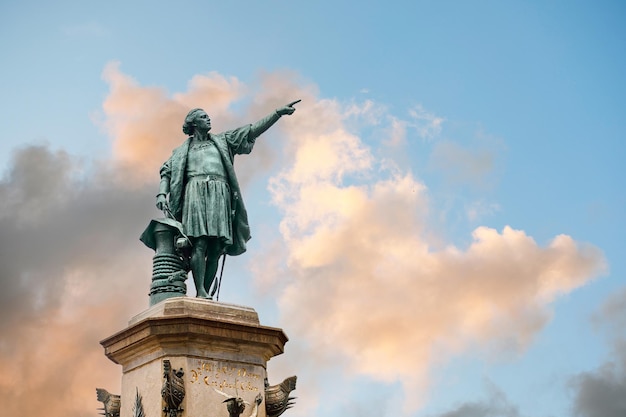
192	119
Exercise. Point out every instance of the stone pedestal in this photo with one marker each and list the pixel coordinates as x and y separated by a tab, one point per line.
220	347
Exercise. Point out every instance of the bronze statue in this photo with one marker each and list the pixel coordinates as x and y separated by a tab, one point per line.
236	405
111	403
173	390
199	189
277	399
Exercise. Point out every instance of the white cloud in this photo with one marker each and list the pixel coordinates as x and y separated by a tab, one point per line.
427	124
366	284
479	209
397	133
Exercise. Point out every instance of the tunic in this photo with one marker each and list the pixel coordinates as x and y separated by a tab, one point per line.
228	144
206	207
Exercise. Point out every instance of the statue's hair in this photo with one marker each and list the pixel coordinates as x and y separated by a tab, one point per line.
188	127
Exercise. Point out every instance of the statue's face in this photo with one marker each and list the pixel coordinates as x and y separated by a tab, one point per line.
202	121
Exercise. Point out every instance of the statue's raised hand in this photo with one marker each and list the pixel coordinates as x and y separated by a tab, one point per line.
288	109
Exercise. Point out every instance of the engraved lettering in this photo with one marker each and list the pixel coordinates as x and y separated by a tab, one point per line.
225	377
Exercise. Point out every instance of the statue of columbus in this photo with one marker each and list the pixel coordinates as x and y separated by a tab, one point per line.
199	189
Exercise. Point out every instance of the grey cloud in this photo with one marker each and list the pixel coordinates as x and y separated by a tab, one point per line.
496	405
35	182
602	393
50	222
72	271
612	315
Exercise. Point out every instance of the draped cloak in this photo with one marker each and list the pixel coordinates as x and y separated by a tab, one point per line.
229	144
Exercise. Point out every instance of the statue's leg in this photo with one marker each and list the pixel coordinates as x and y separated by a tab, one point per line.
212	258
198	265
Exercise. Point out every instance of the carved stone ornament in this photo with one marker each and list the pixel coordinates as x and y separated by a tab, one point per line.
173	390
236	405
277	399
138	406
111	402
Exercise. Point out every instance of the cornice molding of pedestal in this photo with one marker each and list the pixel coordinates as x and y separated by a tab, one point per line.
194	328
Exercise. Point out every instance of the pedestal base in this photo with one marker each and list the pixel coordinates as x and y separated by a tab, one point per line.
222	349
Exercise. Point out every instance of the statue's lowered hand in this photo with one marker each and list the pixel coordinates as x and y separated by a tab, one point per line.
288	109
161	202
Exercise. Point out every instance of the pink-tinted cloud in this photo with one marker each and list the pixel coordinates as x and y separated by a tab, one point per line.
364	282
145	123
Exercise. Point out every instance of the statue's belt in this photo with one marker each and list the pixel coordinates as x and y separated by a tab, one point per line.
209	177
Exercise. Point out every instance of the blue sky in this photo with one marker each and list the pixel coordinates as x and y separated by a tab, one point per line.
491	114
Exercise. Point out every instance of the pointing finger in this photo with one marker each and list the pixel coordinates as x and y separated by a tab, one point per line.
294	102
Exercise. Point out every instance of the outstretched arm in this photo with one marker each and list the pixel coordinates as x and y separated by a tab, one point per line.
265	123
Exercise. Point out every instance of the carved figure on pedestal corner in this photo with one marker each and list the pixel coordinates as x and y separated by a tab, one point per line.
199	189
138	406
237	405
277	399
173	390
111	403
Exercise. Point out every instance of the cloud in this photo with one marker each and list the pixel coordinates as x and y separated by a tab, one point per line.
366	283
461	165
602	393
427	124
368	111
496	405
70	254
145	123
28	193
397	133
479	209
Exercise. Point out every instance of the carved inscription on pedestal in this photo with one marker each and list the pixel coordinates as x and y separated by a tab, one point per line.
226	377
